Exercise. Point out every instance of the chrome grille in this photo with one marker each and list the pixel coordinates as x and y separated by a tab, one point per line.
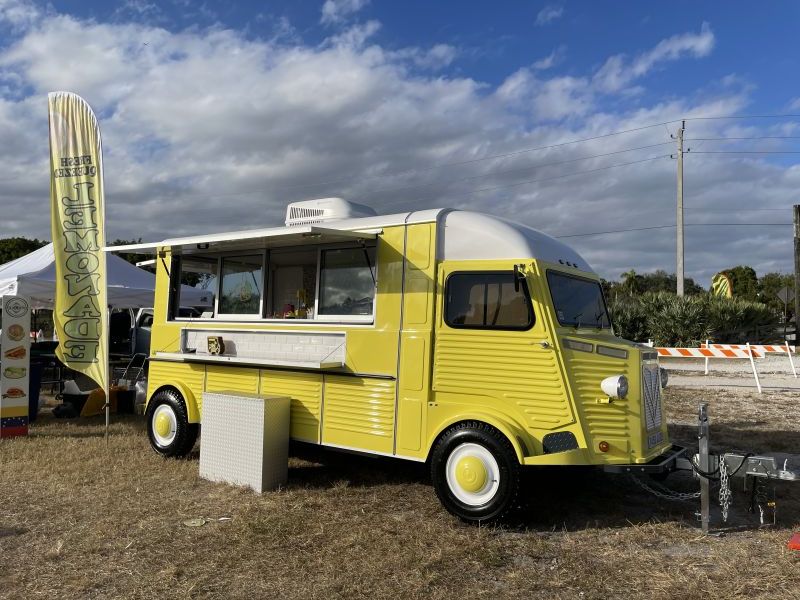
651	396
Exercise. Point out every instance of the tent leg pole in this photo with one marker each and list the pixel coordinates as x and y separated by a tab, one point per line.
108	371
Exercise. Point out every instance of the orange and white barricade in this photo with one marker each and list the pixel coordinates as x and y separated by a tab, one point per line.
761	348
709	352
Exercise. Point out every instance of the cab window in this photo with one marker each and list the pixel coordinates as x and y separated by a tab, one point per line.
487	300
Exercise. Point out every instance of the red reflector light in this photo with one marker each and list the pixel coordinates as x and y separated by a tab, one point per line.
603	446
794	543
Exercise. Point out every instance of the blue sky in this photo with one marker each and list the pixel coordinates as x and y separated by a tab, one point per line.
214	116
496	38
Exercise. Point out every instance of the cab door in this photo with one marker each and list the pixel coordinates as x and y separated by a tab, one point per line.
493	352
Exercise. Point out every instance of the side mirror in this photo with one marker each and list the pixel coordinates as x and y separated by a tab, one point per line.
518	276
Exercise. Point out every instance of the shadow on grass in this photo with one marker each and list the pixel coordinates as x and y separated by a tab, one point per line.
552	498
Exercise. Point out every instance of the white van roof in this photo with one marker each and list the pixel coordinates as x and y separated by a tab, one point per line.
463	235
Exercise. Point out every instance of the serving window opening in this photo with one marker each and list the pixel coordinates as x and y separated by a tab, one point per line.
195	271
293	284
347	282
331	283
241	289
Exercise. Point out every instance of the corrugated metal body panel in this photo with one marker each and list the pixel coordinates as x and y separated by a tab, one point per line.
190	377
359	413
305	390
587	371
232	379
508	365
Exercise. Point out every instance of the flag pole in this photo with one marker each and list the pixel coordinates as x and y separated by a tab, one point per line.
108	365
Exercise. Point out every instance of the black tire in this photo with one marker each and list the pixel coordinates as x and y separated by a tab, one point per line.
507	484
181	439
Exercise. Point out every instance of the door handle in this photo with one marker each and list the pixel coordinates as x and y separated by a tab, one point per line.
544	344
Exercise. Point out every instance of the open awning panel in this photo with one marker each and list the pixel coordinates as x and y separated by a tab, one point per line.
259	238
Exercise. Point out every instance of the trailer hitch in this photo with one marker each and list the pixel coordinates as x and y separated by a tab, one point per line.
755	470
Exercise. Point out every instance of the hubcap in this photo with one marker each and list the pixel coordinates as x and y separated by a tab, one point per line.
473	475
165	425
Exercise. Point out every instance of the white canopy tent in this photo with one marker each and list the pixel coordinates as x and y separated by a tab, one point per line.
34	275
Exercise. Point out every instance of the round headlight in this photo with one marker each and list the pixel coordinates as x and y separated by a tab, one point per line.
615	386
622	386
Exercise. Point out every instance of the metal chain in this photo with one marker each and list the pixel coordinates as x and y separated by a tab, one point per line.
761	498
664	492
724	489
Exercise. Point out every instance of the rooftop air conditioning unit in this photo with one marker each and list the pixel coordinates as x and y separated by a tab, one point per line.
325	209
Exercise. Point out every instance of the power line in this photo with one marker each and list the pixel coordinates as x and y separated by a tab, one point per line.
521	183
483	158
760	137
727	212
571	235
505	154
518	170
745	152
673	227
776	116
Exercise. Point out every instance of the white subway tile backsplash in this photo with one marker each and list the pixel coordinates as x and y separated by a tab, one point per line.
265	345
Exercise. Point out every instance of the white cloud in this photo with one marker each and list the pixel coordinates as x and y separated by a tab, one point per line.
208	130
551	60
140	10
549	13
432	59
355	36
438	57
336	11
617	72
19	13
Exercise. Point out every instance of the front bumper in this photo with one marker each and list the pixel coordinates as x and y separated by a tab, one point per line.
663	463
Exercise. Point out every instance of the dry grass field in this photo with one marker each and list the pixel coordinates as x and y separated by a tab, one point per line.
79	519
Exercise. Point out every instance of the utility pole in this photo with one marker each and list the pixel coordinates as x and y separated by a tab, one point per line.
796	272
679	220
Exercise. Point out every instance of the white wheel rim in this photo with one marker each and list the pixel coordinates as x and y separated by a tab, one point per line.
490	487
164	412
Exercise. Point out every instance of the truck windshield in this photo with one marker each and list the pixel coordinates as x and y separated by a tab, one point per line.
578	302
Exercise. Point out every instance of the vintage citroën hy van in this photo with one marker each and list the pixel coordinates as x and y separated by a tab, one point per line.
479	345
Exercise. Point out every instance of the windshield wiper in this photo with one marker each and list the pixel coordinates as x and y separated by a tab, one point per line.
577	319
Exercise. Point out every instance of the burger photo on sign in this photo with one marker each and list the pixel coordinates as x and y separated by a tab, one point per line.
15	332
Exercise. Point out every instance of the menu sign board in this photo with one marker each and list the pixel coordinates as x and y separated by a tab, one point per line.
15	362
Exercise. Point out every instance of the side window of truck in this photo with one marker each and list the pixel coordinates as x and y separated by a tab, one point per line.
487	300
193	271
347	282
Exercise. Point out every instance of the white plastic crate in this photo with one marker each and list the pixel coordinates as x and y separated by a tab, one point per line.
244	439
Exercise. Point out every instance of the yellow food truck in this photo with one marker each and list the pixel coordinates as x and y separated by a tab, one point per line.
475	344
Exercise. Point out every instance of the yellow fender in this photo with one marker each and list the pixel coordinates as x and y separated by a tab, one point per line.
188	398
513	433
